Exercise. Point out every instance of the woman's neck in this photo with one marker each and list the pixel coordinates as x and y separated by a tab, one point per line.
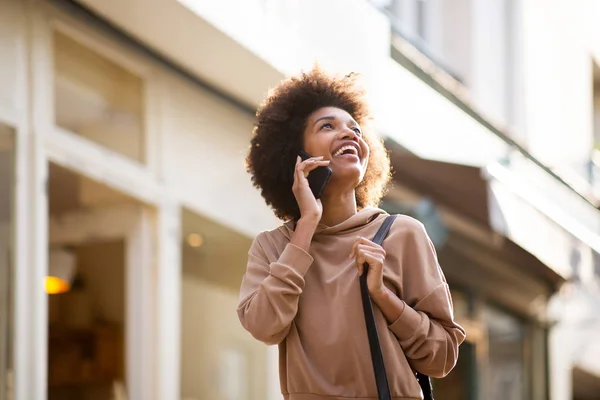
337	209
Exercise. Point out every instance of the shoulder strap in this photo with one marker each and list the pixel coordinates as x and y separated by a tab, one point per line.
384	229
383	389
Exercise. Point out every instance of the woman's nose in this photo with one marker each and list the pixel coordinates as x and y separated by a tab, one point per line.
348	134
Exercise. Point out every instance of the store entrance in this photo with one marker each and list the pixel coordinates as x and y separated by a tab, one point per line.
88	261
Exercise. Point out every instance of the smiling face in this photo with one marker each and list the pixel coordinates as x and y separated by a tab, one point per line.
333	133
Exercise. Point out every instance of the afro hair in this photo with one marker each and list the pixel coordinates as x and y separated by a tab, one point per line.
278	137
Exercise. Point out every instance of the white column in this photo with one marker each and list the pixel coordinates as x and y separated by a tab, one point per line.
31	304
139	332
167	283
561	368
31	223
31	245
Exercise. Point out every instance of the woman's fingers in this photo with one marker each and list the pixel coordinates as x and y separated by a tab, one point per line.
315	164
300	164
365	255
360	241
304	167
374	260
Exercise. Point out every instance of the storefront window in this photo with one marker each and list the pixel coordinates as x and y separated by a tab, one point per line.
6	268
505	364
97	99
459	384
461	303
238	364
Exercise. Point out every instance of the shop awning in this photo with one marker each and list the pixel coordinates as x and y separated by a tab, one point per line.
508	200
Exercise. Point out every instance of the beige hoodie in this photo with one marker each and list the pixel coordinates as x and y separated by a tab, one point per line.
310	305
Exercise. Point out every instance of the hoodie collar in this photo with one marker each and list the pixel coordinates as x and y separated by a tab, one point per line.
356	221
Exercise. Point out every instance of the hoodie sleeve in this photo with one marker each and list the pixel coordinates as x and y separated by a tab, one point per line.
426	329
270	291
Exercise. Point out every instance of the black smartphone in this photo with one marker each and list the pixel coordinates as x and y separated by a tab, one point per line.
317	178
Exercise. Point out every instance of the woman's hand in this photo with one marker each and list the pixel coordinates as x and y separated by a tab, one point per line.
365	251
310	207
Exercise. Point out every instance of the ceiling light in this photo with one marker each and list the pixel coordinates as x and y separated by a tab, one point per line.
195	240
61	270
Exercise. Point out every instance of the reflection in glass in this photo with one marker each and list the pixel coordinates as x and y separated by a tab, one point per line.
97	99
505	356
460	302
459	384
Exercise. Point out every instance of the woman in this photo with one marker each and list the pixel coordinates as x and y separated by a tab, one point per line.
301	288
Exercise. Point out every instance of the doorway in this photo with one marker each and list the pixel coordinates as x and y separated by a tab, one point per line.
93	341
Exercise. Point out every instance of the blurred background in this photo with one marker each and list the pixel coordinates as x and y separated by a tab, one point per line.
126	213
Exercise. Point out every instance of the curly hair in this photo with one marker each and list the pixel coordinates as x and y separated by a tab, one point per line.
278	137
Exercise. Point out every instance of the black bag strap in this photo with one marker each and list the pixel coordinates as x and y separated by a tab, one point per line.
383	389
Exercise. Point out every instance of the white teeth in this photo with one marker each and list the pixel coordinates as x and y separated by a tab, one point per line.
341	151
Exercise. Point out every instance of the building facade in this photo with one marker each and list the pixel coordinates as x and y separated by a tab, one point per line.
126	212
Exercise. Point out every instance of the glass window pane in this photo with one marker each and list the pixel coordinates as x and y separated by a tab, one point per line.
460	383
87	292
505	356
460	301
219	359
97	99
6	269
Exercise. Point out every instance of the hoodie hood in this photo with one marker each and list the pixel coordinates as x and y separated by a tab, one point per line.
355	222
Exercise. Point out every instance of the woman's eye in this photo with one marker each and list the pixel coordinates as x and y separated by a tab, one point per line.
358	131
327	125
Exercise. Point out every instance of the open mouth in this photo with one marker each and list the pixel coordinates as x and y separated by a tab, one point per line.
346	150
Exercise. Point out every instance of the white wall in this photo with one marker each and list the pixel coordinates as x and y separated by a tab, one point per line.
592	27
12	72
206	140
490	56
558	90
455	43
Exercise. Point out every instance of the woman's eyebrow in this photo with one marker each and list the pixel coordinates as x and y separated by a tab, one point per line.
332	118
327	118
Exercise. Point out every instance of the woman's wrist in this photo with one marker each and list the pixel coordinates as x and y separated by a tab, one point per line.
380	295
390	305
303	234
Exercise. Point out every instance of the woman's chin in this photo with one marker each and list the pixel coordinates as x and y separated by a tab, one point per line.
347	177
347	171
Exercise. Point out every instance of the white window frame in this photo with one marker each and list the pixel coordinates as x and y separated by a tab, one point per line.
129	61
155	238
